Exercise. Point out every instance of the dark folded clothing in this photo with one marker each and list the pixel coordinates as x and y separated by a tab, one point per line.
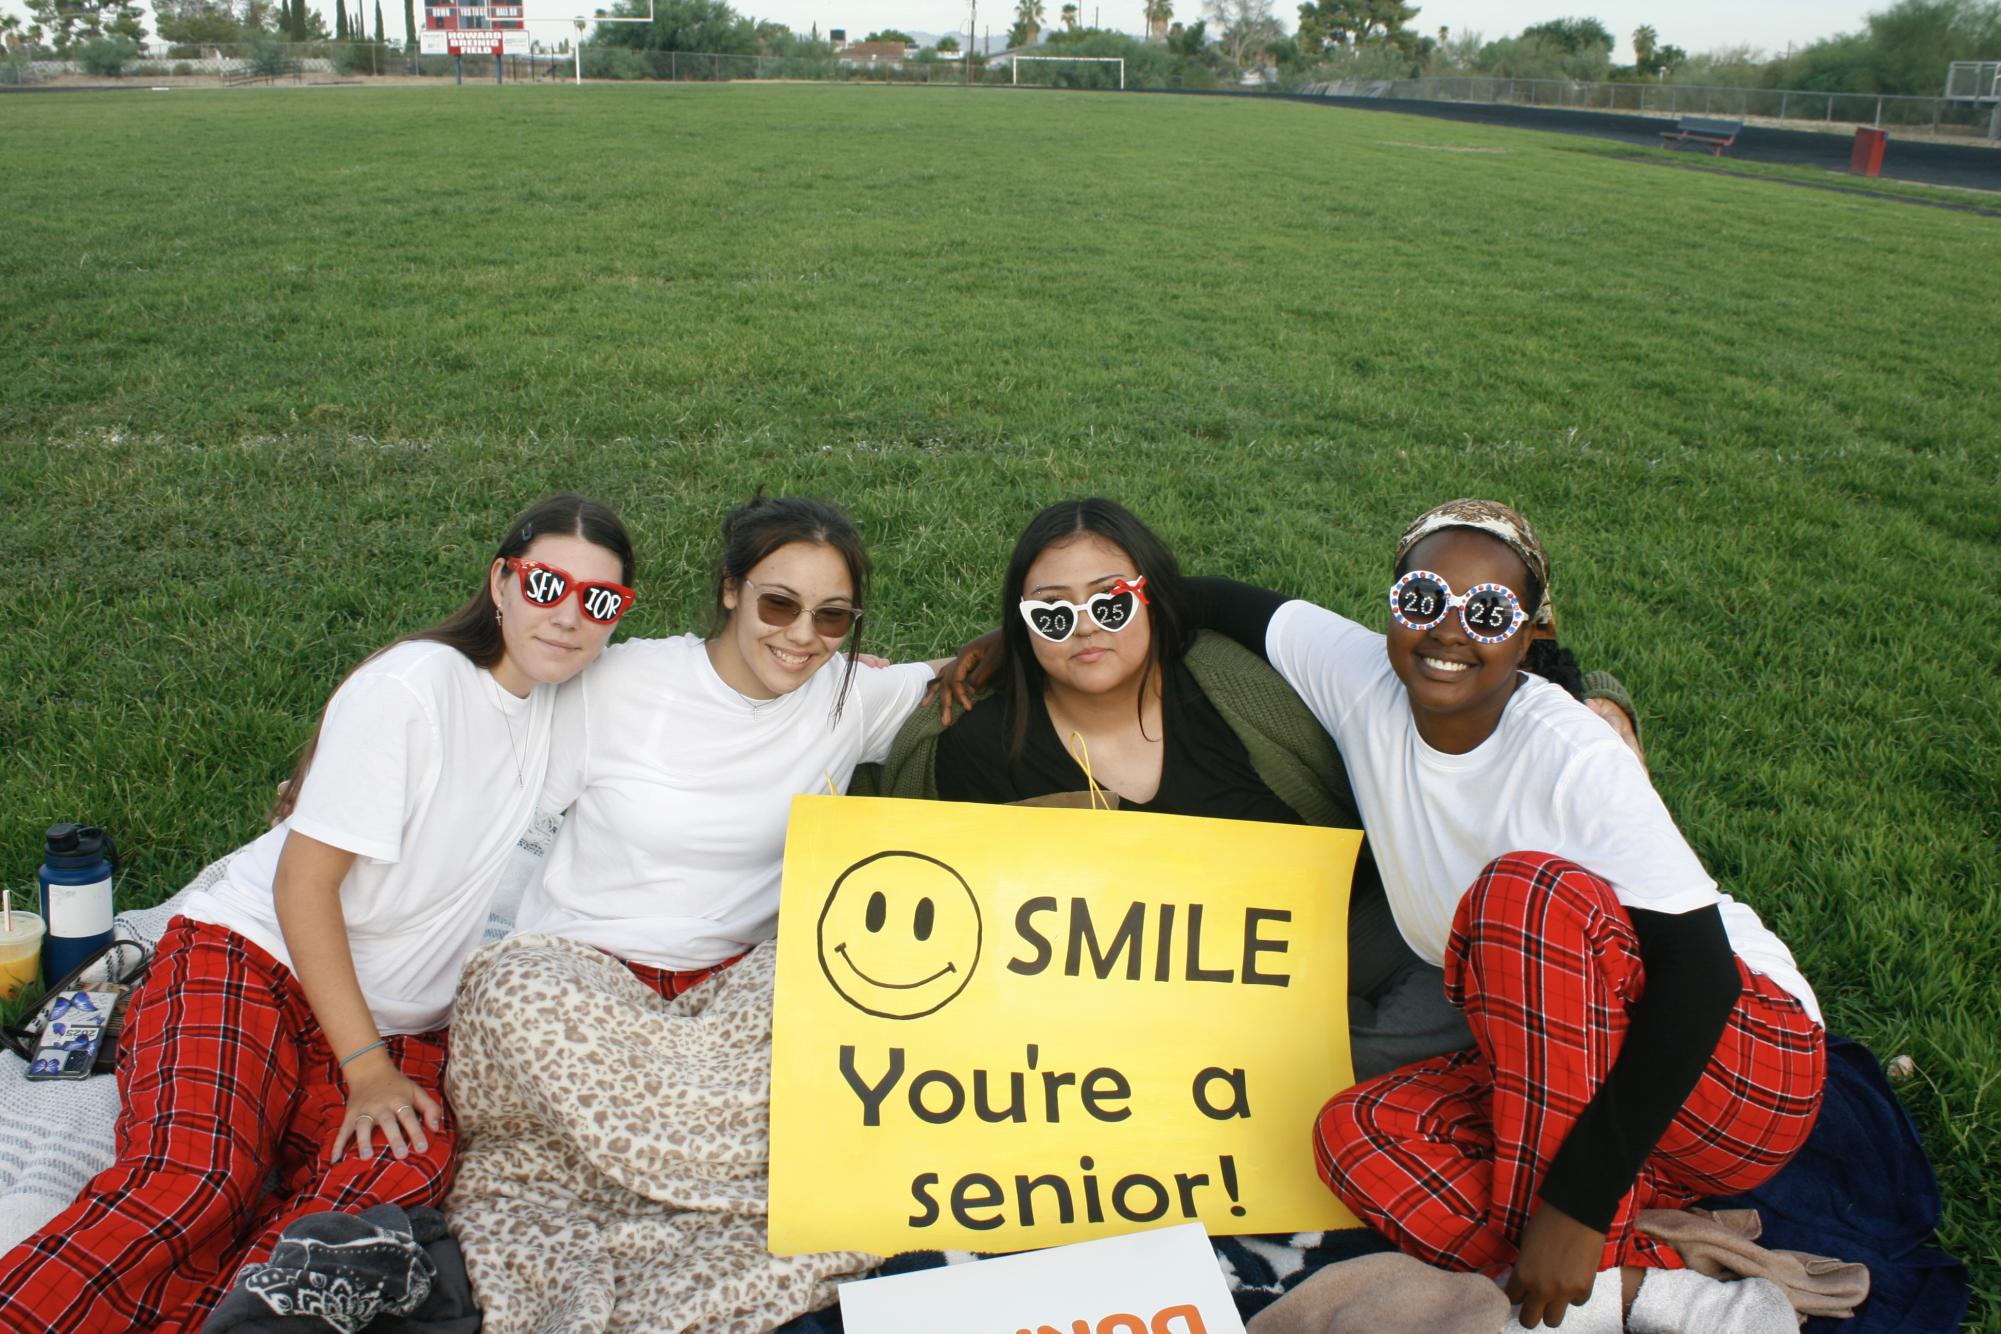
382	1270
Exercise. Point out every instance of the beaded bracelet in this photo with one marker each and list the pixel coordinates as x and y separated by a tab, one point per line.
379	1042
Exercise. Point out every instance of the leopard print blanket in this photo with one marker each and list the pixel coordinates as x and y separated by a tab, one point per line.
614	1145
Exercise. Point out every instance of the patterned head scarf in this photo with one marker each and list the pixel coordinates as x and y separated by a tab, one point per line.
1492	517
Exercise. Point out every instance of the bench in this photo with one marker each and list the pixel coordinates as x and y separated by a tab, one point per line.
1713	134
269	73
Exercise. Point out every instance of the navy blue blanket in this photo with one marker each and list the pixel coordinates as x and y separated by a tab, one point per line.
1862	1189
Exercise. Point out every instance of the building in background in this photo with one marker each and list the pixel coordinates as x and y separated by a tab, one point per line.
873	55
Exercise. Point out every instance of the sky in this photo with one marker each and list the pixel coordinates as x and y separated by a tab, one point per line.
1693	25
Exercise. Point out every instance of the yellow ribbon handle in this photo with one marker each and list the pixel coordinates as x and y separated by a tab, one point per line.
1081	753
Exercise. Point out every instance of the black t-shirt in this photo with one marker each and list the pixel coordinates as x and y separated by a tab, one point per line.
1205	769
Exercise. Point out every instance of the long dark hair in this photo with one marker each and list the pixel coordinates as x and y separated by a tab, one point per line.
1546	658
763	524
1171	620
474	629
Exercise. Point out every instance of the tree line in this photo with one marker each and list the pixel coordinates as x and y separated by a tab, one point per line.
74	28
1903	49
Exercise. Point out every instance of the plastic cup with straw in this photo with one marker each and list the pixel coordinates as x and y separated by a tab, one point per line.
20	947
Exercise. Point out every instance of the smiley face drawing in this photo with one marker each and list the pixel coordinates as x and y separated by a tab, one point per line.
900	935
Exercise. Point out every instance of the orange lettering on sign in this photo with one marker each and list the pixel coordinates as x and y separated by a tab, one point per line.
1163	1322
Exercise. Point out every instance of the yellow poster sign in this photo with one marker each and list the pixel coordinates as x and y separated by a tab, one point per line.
1001	1027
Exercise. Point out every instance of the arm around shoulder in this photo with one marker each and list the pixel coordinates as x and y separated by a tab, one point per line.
1240	611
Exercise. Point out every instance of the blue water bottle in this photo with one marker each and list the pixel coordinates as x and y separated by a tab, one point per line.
76	897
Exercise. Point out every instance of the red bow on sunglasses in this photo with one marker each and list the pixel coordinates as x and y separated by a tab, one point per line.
545	585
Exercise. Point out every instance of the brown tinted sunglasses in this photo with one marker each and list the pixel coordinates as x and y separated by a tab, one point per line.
782	610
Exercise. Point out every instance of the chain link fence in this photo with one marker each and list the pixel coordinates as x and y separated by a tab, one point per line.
111	64
107	63
1938	116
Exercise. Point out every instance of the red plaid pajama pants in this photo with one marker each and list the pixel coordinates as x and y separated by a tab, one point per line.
225	1083
1444	1156
670	983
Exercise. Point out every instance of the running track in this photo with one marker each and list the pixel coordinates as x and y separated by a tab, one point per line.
1904	160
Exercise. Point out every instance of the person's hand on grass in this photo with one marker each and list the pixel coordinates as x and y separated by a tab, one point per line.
383	1101
966	675
1557	1266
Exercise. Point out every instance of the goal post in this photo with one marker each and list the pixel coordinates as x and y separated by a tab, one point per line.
1014	65
602	17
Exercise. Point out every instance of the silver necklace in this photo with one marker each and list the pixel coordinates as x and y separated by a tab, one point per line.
751	702
515	750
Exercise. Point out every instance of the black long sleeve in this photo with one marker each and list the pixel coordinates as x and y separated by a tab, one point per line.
1239	611
1691	986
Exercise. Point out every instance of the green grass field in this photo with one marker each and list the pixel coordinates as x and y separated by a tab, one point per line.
277	366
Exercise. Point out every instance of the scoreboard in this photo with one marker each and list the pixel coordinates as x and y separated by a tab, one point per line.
476	27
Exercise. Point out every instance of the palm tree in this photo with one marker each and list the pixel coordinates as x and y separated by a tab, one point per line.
1645	42
1158	14
1028	17
1070	16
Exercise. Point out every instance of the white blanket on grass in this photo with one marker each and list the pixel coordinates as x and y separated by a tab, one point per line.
55	1135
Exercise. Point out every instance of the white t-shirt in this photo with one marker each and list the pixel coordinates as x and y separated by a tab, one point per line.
1552	778
427	770
682	788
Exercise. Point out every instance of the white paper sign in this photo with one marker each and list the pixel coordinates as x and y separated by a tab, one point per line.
472	41
1161	1282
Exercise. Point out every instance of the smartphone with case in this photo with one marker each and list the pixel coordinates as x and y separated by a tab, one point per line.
116	970
75	1025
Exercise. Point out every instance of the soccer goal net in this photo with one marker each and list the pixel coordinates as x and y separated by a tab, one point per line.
1015	63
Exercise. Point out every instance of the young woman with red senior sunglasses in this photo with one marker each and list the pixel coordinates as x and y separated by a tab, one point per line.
678	758
1641	1039
293	1023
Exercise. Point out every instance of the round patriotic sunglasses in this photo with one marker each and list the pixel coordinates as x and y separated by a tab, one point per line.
1491	613
546	585
1056	620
